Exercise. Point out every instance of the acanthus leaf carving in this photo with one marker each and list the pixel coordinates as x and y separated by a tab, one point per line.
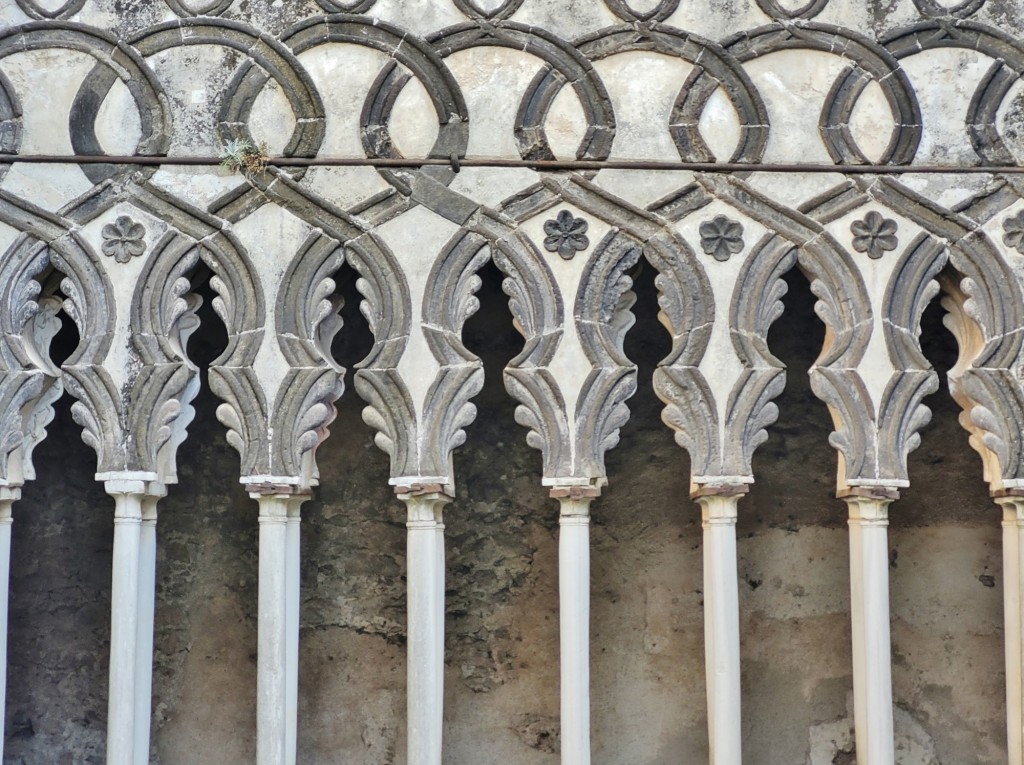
244	414
159	412
308	304
302	413
603	317
98	411
691	413
538	314
450	299
756	305
387	308
163	309
853	416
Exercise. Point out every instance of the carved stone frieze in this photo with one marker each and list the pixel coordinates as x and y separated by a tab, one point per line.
872	246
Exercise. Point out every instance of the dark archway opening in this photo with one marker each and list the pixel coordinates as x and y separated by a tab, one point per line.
793	558
946	580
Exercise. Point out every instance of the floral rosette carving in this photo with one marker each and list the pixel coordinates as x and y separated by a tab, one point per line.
874	235
124	239
566	235
1013	232
721	238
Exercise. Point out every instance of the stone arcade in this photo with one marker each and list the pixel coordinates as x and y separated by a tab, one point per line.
408	143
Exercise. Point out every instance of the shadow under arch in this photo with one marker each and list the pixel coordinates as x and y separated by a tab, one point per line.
945	555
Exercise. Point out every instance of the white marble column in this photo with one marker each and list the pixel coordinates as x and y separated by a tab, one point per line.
128	496
425	642
146	611
1013	614
271	651
293	593
8	496
721	628
574	626
869	603
439	587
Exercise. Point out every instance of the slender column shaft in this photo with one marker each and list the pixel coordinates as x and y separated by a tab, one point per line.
7	497
425	691
124	604
722	628
1013	614
271	655
869	601
439	571
292	576
574	627
144	629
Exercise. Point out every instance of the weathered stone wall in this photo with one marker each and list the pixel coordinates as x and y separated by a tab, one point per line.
502	646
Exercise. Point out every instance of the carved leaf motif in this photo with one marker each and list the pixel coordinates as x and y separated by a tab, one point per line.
536	306
691	413
19	390
302	412
229	418
391	413
223	304
602	318
543	414
100	412
35	430
244	413
387	308
72	302
163	309
756	304
451	300
81	414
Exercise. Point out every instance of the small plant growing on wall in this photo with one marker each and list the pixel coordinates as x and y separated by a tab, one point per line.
240	155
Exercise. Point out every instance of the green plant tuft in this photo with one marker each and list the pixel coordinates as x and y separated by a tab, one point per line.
242	156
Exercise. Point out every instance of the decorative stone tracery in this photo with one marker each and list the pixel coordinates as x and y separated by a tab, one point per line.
122	248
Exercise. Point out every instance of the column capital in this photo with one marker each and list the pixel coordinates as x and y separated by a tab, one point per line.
1013	507
574	503
424	508
278	507
868	510
719	509
6	514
